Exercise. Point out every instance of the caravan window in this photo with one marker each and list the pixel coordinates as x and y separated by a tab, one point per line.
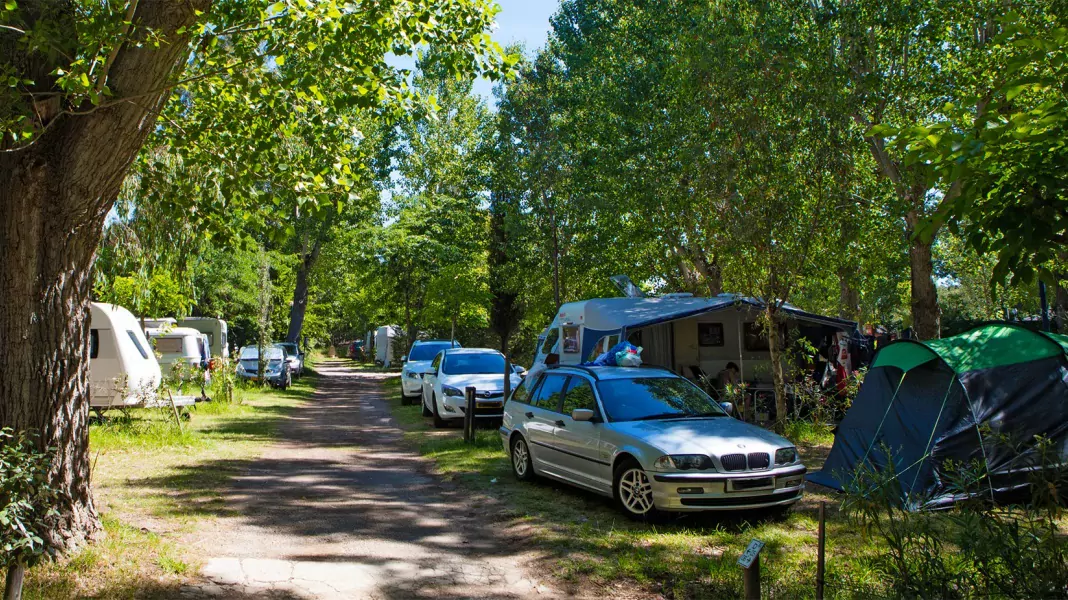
94	343
170	345
571	339
137	344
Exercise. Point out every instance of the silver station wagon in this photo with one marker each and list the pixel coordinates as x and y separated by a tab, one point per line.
648	438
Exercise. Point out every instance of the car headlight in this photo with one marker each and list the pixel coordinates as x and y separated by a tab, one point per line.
683	462
411	375
448	390
785	456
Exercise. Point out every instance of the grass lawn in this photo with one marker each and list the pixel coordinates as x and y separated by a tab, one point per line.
590	542
144	550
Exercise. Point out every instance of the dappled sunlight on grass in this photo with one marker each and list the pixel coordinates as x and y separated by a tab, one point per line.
689	556
155	482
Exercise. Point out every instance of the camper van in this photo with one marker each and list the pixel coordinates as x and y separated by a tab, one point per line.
122	368
160	323
215	329
692	336
180	344
384	344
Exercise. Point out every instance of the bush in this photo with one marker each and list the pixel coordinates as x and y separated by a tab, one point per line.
975	549
26	499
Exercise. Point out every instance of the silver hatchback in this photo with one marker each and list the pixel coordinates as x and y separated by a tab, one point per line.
648	438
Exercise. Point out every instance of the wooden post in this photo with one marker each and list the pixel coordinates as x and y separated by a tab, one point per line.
13	588
751	580
819	551
469	415
177	419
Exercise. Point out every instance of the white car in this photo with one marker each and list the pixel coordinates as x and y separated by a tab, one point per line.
454	369
417	364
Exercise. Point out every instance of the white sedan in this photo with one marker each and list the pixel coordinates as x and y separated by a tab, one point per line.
457	368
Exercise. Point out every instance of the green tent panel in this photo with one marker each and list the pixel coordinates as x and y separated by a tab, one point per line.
982	348
984	397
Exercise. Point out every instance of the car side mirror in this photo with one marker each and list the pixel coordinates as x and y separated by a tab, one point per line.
404	359
582	414
727	407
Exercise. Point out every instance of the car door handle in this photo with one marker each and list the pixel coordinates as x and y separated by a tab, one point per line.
530	415
559	423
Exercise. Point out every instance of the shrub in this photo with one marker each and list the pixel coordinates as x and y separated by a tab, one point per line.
975	549
26	501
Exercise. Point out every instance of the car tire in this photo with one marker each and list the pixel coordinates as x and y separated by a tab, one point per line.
439	423
633	491
288	381
522	462
426	409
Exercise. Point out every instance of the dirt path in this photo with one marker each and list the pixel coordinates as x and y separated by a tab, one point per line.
339	508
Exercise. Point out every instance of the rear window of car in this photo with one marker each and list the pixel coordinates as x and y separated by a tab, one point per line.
522	393
549	392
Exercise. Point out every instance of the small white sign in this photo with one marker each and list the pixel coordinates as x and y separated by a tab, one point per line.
750	554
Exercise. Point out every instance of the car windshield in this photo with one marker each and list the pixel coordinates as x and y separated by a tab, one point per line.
649	398
252	353
428	350
473	364
290	349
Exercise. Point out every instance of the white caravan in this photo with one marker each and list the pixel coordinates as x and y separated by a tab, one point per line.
180	344
384	344
215	329
694	337
123	371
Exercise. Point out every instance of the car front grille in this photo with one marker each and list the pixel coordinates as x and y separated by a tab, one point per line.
733	462
741	462
758	460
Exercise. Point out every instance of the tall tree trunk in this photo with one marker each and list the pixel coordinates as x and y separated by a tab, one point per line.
13	585
848	298
926	316
300	294
775	353
556	260
54	197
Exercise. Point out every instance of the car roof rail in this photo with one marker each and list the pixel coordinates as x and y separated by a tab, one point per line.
583	368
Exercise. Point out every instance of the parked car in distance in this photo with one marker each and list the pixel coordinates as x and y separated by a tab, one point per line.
417	363
277	371
454	369
357	350
648	438
294	357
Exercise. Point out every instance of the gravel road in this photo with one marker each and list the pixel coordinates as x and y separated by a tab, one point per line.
338	507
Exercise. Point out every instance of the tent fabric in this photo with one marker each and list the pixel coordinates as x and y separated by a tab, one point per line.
981	348
928	416
616	314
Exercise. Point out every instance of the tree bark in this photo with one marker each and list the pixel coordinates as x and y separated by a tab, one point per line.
54	197
926	315
775	354
300	294
13	586
848	298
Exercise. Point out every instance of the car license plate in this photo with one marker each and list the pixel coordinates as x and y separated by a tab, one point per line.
488	404
743	485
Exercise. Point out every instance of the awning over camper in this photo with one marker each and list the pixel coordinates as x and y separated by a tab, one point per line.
614	314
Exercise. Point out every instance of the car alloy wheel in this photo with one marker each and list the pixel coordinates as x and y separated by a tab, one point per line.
634	491
426	409
522	464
